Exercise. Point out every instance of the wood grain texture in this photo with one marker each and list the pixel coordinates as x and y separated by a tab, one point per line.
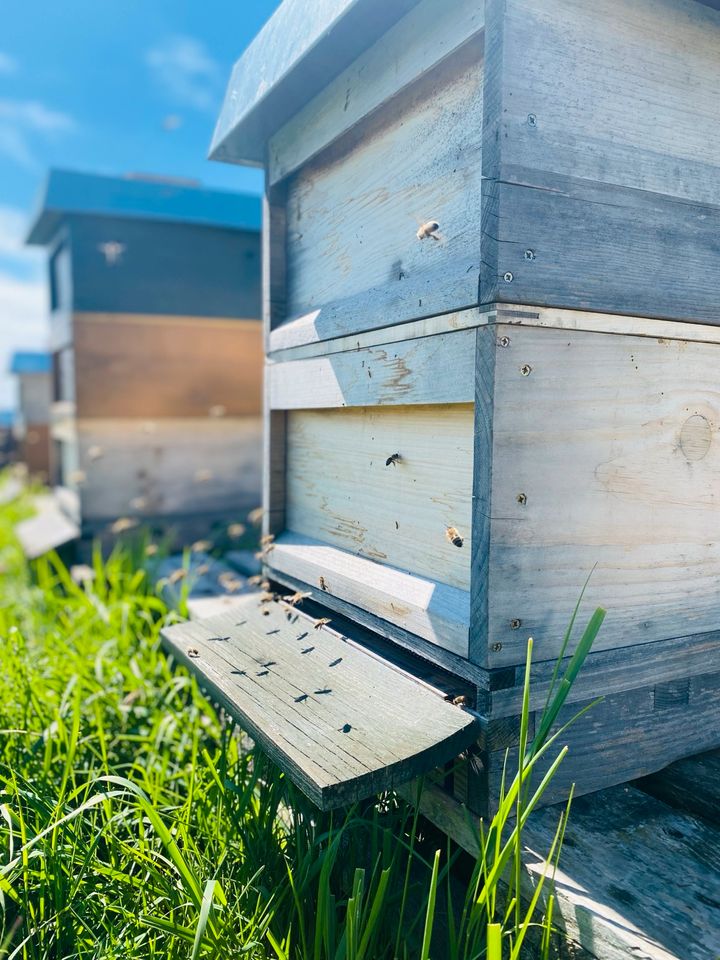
353	255
691	784
433	611
414	45
145	367
343	725
611	441
436	370
153	468
651	894
341	490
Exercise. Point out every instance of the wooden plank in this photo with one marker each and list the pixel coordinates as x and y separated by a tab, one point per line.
617	433
354	258
429	370
274	260
48	530
168	466
636	878
343	725
658	253
691	785
434	611
342	490
208	367
414	45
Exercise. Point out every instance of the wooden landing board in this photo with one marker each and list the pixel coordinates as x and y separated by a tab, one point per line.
339	722
49	529
637	879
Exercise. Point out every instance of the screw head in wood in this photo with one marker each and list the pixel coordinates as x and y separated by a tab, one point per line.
526	369
497	647
504	341
521	499
532	120
508	277
515	624
529	254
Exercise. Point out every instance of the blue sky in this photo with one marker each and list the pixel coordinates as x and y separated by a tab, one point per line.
131	86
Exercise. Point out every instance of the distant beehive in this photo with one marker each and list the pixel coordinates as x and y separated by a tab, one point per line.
34	394
493	277
156	345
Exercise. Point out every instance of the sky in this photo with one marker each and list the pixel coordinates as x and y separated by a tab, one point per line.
128	86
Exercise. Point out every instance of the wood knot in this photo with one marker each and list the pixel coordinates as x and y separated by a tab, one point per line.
695	437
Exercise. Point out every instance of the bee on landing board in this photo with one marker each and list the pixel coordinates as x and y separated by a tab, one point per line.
453	535
322	622
393	459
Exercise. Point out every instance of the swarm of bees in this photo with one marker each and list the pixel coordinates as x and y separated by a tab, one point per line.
322	622
453	535
393	459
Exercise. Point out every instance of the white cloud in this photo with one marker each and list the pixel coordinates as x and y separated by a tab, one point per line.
23	324
8	64
21	120
184	68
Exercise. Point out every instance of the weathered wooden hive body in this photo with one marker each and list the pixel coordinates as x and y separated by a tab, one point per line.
32	370
492	304
156	346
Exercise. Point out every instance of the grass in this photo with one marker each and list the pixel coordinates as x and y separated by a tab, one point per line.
136	821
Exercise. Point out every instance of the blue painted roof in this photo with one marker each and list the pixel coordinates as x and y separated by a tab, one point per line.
30	362
67	193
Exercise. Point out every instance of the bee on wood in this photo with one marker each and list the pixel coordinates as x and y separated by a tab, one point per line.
192	652
296	597
453	535
322	583
236	530
428	229
255	516
393	459
322	622
122	524
461	701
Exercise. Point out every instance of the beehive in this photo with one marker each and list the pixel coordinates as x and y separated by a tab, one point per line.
156	349
491	311
34	394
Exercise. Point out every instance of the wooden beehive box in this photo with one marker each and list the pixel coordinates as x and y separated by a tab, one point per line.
491	306
32	370
156	348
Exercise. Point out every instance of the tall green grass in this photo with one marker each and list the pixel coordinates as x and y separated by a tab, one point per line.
137	821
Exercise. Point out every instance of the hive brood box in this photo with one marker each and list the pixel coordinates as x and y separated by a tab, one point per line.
156	346
490	305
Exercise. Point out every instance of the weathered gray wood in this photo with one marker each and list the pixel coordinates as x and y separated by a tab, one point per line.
274	260
605	460
354	257
341	490
691	785
49	529
435	370
342	724
414	45
434	611
636	878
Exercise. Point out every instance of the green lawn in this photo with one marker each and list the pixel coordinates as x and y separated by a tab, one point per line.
136	821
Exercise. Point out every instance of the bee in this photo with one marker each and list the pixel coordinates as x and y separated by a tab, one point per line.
461	701
192	652
151	549
255	580
122	524
428	229
454	537
201	546
138	503
267	597
322	622
267	539
393	459
265	612
94	453
322	583
77	477
296	597
82	573
203	475
177	575
202	569
255	516
218	410
228	581
236	530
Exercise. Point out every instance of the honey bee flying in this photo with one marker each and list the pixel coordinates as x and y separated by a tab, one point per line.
453	535
322	622
296	597
393	459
